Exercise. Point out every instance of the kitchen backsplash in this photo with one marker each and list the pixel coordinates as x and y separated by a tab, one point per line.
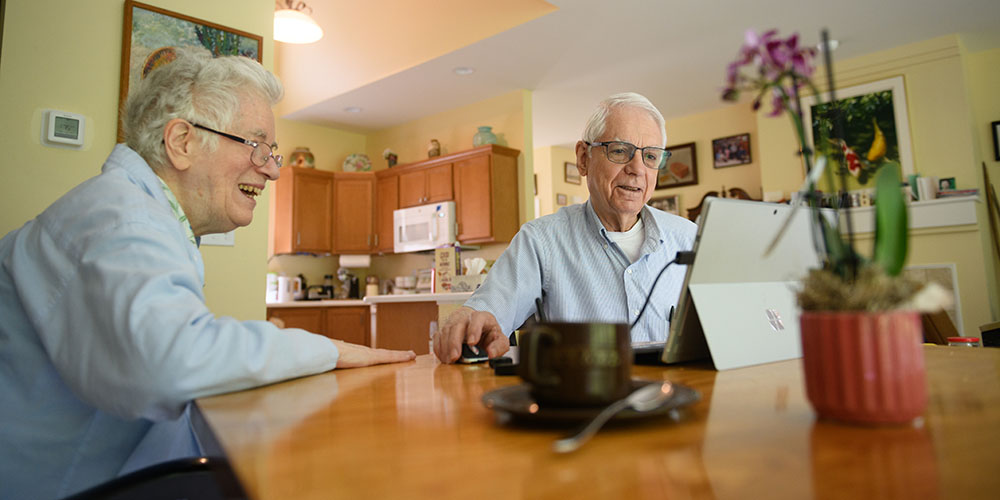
384	266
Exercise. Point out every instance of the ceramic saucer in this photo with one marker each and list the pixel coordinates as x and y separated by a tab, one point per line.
516	401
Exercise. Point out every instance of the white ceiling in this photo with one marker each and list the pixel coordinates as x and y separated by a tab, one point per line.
673	51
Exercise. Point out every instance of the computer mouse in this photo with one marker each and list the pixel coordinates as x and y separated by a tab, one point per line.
472	354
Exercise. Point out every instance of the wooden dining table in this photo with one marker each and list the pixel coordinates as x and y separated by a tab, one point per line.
420	430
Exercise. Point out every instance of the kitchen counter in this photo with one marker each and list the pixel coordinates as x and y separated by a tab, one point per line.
319	303
440	298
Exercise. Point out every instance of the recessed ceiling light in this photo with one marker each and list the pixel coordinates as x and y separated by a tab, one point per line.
833	45
352	109
464	70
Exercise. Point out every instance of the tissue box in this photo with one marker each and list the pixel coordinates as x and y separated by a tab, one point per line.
467	282
445	268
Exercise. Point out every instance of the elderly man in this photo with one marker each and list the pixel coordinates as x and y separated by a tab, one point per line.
597	261
106	337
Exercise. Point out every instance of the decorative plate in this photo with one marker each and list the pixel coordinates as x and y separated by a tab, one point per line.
357	163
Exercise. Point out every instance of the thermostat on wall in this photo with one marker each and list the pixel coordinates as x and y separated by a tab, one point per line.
62	127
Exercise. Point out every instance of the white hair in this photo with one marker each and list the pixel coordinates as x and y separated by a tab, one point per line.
598	120
194	86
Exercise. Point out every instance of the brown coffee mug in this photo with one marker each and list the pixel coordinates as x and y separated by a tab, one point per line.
576	364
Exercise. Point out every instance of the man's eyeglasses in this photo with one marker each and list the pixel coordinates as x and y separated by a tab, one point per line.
622	152
261	152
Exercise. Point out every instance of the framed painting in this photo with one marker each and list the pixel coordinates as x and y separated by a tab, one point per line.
670	204
681	168
876	129
731	151
572	174
149	33
560	199
996	140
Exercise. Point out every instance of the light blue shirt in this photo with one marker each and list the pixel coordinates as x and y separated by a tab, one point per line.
105	337
583	276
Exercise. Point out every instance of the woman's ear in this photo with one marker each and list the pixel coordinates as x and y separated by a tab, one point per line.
179	143
582	156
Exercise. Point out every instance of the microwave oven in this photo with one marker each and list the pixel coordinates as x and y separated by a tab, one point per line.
423	228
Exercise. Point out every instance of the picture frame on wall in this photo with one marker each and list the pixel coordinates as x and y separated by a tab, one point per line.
572	174
866	111
996	139
561	199
731	151
149	33
681	168
670	204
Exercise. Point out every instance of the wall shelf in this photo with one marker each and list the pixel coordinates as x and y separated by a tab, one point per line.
942	212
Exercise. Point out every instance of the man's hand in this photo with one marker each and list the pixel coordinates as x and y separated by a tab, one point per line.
470	327
353	355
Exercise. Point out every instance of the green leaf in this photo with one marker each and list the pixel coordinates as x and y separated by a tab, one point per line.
891	226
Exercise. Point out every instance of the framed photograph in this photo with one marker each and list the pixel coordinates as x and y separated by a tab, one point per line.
681	169
572	175
731	151
876	129
149	34
560	199
669	204
948	183
996	140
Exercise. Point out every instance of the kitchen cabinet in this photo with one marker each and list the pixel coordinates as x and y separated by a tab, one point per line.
307	318
353	212
303	211
386	201
486	194
423	184
348	323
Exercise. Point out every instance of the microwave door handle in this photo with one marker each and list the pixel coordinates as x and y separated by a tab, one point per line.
433	231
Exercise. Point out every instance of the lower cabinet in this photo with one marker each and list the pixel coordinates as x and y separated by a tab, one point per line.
405	325
348	323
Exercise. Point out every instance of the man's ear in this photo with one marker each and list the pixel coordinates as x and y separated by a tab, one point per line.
582	157
180	143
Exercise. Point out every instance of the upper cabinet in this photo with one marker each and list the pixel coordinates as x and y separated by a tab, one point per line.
386	201
422	184
303	212
486	194
353	212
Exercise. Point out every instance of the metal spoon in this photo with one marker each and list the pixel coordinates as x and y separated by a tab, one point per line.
645	398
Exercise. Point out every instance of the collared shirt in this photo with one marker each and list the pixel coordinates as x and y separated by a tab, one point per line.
581	275
105	337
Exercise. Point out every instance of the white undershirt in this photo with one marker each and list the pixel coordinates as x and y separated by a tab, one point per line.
630	241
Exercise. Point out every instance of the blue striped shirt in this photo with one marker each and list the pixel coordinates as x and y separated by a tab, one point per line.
581	275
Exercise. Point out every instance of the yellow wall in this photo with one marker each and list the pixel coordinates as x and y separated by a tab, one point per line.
550	165
701	129
950	100
77	71
983	71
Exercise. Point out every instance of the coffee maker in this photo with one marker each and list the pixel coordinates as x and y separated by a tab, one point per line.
350	288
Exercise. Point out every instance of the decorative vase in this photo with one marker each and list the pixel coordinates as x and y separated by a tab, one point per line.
301	157
864	367
484	136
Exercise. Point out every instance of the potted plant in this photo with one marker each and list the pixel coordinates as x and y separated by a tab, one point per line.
861	330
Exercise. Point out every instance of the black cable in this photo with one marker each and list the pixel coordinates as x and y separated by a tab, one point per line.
683	258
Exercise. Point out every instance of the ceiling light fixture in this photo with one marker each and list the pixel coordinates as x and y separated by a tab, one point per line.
464	70
292	25
352	109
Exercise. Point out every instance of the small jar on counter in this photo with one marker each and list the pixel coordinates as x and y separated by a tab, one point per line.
964	341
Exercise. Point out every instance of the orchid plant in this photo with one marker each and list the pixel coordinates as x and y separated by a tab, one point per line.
780	68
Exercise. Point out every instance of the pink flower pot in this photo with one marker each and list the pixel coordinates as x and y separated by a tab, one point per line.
864	367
